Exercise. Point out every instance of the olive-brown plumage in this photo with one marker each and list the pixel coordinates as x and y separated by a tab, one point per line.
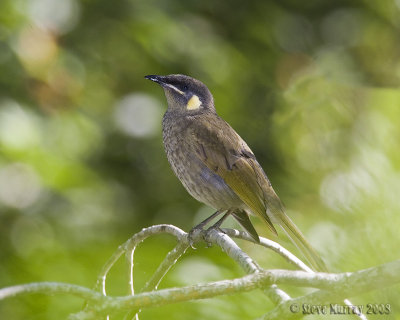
215	164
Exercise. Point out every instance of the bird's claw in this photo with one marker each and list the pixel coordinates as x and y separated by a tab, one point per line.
209	230
194	235
197	233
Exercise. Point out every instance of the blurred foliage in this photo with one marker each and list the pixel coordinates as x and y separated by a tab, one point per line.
312	86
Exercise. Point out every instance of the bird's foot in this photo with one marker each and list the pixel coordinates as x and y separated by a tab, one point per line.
194	235
197	232
207	233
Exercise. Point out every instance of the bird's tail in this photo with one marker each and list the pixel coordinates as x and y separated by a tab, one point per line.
301	243
242	217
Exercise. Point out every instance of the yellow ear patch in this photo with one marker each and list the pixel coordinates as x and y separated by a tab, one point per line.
194	103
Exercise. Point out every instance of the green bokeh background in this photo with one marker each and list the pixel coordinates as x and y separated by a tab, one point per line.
312	86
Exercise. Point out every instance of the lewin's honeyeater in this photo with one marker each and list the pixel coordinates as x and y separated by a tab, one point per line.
216	166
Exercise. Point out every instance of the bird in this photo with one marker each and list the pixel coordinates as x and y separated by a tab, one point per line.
217	167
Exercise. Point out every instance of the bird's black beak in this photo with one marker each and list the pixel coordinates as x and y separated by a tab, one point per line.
158	79
163	82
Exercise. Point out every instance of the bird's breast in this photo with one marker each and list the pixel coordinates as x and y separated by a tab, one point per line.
202	183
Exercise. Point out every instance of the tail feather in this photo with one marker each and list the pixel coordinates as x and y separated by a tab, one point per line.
242	217
301	243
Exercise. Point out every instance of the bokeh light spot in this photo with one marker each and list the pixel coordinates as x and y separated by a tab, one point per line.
138	115
19	128
54	15
343	191
20	186
36	49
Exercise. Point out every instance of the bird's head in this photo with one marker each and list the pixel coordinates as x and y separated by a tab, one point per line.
184	94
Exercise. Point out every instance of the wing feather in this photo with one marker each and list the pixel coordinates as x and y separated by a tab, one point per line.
225	153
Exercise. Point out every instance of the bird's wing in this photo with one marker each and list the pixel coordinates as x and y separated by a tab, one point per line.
223	151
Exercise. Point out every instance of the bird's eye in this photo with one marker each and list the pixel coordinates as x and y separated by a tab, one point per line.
185	88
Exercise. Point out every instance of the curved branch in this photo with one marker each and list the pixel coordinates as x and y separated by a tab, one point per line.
274	246
160	273
332	286
286	254
129	248
164	267
52	288
248	264
339	286
347	285
131	244
214	236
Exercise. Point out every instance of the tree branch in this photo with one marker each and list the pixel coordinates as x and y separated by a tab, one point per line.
346	285
339	286
52	288
274	246
132	243
248	265
331	286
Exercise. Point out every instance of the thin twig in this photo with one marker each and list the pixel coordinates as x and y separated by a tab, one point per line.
132	243
347	285
51	288
274	246
129	248
161	271
331	286
248	264
339	285
130	255
165	266
213	236
101	278
290	257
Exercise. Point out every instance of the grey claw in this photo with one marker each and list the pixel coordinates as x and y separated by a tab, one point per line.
192	235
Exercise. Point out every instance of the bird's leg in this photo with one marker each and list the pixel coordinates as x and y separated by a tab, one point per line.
220	221
217	225
204	222
200	226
